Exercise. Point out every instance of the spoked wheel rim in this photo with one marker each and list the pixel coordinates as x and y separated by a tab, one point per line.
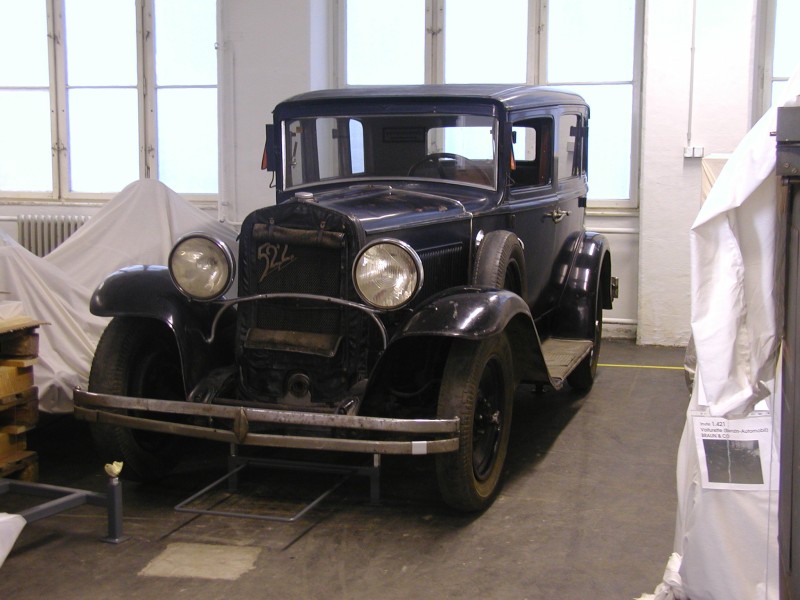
487	425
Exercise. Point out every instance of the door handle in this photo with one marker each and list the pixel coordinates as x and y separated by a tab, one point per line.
557	215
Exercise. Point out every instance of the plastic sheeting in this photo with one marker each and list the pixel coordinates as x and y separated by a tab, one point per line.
10	528
726	527
138	226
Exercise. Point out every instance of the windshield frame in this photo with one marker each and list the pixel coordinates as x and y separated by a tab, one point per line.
386	129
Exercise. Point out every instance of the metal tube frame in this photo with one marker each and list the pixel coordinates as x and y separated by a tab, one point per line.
65	498
237	463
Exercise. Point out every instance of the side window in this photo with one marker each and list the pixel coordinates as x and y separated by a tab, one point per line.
571	144
532	163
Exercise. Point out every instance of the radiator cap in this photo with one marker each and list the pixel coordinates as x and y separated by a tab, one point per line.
305	196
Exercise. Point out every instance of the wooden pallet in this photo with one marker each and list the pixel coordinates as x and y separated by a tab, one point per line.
19	413
21	408
21	464
18	338
19	398
16	375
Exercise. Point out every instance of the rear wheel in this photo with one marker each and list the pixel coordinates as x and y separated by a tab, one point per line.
478	388
137	357
582	378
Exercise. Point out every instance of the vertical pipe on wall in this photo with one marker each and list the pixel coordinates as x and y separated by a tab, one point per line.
226	117
691	75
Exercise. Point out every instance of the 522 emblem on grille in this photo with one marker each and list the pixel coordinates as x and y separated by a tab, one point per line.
276	256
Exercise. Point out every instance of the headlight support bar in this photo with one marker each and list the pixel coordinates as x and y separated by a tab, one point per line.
370	312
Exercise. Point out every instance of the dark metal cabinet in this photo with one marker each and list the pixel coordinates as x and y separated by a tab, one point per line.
788	168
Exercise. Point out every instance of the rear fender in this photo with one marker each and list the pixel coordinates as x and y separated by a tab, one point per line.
146	291
590	275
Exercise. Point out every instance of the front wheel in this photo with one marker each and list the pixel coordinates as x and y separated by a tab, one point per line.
478	388
137	357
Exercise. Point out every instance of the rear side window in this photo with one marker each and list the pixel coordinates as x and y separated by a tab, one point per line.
571	146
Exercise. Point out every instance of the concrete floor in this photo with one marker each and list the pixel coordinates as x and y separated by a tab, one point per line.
587	511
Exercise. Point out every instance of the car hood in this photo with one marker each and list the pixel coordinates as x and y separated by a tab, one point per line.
380	208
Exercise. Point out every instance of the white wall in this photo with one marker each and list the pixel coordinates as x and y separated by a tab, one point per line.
268	51
714	94
622	230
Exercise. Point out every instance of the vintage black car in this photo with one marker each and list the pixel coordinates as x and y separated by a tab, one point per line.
425	256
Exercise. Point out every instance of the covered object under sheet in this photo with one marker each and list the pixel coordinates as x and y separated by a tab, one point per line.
727	469
138	226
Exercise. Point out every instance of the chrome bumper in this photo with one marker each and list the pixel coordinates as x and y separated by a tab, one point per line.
430	436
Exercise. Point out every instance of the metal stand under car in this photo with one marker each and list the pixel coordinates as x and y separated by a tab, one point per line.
236	463
64	498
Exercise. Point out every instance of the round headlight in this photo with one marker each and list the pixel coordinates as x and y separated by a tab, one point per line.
387	274
202	267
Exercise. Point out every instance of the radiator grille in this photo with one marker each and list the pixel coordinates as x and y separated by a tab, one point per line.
42	234
299	248
314	271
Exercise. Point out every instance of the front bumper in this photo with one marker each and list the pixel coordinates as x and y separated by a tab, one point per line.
343	433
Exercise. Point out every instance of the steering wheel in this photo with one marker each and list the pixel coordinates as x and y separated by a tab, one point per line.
436	159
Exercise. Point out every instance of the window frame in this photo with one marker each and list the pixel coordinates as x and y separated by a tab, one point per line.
536	73
763	77
545	147
147	113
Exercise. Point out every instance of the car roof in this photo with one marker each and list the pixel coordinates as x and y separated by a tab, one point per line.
511	97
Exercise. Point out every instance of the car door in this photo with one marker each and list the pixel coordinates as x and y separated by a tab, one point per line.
533	200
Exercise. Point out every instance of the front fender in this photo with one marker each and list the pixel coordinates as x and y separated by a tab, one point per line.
471	313
467	312
139	291
147	291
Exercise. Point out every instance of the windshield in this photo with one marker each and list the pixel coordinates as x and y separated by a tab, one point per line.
456	148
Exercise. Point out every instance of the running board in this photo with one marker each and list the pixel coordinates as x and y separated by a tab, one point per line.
562	356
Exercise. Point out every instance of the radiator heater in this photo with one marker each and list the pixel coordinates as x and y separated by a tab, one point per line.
43	233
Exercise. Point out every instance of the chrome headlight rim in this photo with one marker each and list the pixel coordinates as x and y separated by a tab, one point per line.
225	253
415	259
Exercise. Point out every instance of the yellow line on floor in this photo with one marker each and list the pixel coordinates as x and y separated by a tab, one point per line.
642	367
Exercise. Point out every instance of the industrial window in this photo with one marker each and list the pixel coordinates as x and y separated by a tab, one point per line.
385	42
103	92
786	48
777	51
517	41
485	43
606	76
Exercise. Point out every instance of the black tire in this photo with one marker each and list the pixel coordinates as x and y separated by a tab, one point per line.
477	387
582	378
500	263
137	357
